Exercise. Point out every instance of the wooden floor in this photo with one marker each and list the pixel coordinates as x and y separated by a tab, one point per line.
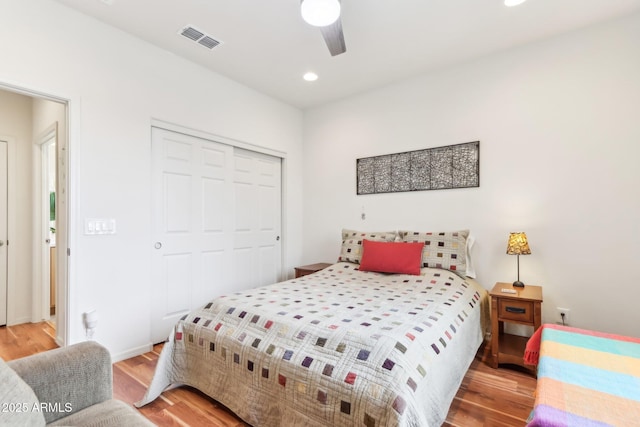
29	338
487	397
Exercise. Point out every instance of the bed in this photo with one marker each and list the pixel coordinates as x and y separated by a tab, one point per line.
339	347
585	378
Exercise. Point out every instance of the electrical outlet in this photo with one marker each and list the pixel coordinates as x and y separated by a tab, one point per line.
563	320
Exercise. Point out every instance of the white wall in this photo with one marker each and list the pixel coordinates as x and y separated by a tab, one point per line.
558	122
116	85
15	123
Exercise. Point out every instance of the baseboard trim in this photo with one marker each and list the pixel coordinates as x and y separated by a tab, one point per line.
133	352
19	321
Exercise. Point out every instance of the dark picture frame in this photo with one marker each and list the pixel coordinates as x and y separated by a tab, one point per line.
438	168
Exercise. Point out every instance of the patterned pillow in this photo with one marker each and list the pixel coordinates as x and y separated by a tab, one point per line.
351	250
446	250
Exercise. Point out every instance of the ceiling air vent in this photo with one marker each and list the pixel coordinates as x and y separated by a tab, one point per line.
208	42
200	37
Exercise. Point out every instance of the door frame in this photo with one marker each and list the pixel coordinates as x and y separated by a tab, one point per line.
41	264
64	266
156	123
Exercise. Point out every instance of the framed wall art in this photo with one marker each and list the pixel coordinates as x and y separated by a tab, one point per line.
439	168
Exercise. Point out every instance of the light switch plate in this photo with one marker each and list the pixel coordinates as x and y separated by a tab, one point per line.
99	226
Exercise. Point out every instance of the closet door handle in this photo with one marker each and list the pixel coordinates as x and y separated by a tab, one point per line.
158	245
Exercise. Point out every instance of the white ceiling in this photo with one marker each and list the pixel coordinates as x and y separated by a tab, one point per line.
267	45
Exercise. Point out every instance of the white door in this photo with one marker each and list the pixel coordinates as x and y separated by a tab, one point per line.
256	238
216	223
4	167
192	220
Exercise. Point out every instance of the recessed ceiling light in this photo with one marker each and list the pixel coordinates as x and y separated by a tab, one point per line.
513	2
310	77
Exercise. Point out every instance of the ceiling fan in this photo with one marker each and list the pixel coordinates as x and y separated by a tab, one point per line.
325	14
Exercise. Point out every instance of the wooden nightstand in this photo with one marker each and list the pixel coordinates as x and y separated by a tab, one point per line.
525	308
311	268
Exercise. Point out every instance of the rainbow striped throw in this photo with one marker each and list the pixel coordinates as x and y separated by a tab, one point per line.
586	378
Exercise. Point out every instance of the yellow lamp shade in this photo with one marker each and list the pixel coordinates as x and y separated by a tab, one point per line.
518	244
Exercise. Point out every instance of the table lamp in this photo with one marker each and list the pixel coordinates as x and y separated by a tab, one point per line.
518	245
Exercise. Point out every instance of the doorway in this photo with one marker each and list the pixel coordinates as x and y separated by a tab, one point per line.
36	208
46	147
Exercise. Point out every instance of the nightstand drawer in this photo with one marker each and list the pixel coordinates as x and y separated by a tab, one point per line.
520	311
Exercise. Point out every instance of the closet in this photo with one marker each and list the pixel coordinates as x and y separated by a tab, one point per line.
216	223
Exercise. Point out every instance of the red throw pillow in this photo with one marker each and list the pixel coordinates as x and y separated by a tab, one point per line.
391	257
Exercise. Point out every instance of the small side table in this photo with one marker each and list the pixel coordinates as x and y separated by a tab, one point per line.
311	268
523	307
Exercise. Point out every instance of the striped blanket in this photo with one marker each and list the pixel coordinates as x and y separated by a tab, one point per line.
586	378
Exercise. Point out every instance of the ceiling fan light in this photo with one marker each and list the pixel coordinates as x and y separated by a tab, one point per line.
320	13
511	3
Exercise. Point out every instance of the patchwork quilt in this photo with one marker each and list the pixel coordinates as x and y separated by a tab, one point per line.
339	347
586	378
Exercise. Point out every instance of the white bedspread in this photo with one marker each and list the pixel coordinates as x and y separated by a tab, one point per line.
336	348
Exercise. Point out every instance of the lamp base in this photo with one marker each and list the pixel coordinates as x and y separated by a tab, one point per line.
518	284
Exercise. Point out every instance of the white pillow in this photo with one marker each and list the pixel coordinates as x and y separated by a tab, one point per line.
471	270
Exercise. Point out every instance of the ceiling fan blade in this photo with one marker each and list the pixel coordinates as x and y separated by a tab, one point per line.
334	38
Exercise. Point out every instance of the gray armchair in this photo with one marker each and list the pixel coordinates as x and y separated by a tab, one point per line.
69	386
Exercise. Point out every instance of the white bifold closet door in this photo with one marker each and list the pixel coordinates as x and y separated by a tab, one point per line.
216	223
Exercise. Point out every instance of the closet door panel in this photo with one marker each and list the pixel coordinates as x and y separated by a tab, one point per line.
258	195
192	221
216	223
